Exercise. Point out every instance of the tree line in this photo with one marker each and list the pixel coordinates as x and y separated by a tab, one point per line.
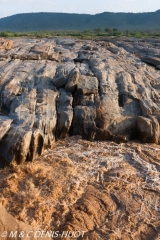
97	32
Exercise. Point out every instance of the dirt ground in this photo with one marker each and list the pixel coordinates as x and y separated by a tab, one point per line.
109	190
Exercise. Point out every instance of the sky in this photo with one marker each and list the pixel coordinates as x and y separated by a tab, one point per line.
10	7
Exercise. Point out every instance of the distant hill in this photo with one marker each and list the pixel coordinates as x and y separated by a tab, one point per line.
66	21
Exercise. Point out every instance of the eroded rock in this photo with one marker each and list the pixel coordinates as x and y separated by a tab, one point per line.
87	85
64	113
5	124
155	61
59	80
51	88
72	81
84	122
148	129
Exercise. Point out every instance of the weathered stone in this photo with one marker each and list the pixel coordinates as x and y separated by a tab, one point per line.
126	88
108	109
5	124
40	48
151	60
124	129
149	107
84	122
31	132
65	69
84	100
64	113
27	57
87	85
85	70
59	80
16	146
72	81
148	129
32	56
52	57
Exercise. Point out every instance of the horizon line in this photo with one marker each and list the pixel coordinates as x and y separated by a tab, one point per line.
80	13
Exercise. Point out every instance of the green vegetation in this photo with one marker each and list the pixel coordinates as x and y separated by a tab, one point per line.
28	22
86	34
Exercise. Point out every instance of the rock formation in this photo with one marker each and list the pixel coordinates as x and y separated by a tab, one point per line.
101	90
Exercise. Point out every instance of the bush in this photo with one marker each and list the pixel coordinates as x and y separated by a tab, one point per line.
6	34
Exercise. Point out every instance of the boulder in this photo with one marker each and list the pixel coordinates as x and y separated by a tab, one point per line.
148	129
59	80
123	130
87	85
72	80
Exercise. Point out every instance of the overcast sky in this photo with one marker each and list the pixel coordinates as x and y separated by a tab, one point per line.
10	7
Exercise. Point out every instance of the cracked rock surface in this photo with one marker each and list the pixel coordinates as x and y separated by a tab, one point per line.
101	90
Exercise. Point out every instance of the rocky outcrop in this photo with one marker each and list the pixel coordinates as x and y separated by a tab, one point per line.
101	90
